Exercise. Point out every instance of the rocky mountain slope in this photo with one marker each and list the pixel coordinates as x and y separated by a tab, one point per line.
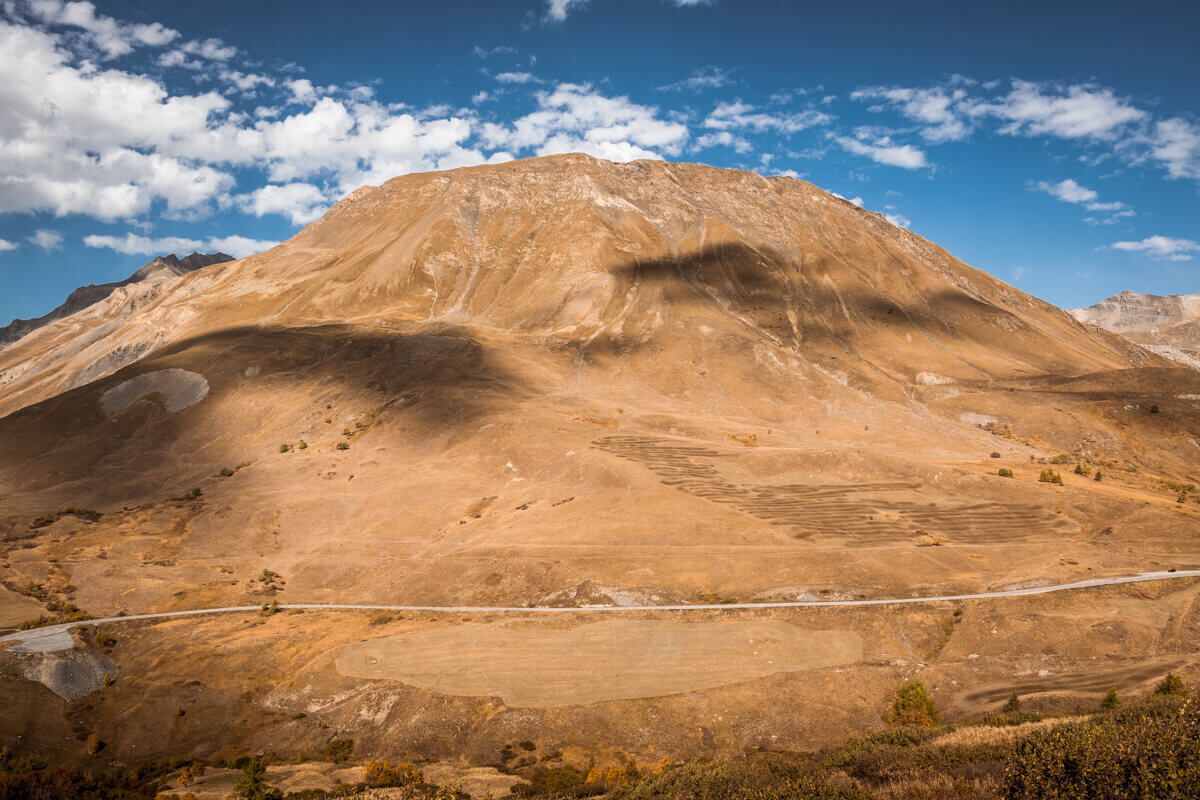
564	381
1167	325
148	280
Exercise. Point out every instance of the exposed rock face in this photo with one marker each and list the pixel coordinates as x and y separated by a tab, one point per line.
1168	325
160	269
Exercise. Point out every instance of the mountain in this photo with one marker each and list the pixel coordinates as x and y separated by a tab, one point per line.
148	279
559	382
1167	325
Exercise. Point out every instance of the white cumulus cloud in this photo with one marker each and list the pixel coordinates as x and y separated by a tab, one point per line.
301	203
883	151
133	244
46	239
1162	247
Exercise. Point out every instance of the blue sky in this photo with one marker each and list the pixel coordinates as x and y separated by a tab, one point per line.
1055	145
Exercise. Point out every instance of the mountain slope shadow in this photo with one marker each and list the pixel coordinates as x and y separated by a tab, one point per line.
285	376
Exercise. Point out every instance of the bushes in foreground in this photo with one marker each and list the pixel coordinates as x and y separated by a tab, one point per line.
1147	752
766	777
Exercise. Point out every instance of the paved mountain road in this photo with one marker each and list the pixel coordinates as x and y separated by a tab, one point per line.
53	638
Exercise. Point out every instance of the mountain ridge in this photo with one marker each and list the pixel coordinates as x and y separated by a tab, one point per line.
84	296
1165	324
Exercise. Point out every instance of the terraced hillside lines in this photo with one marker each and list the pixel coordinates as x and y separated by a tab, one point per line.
846	511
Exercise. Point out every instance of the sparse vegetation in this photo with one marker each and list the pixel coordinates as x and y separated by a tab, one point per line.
1080	469
268	582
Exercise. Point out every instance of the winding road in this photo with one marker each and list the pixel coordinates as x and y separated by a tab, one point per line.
53	638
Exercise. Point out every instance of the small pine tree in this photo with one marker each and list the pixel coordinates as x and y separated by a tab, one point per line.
1013	705
1099	475
913	706
1111	700
1171	685
253	783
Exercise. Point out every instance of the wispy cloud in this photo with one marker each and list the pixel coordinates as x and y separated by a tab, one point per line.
1161	247
701	79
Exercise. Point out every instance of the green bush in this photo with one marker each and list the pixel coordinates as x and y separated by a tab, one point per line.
380	774
252	785
1050	476
1005	472
913	706
225	472
1110	700
765	777
1171	685
1148	752
338	750
343	446
285	447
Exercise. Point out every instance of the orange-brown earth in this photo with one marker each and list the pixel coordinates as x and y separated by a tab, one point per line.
562	381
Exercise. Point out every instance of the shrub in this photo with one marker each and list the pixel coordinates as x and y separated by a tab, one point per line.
1148	751
253	783
1080	469
772	776
1050	476
285	447
343	446
338	750
1110	700
1099	475
225	472
1153	409
1005	472
1013	705
913	706
302	446
1171	685
194	493
379	774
